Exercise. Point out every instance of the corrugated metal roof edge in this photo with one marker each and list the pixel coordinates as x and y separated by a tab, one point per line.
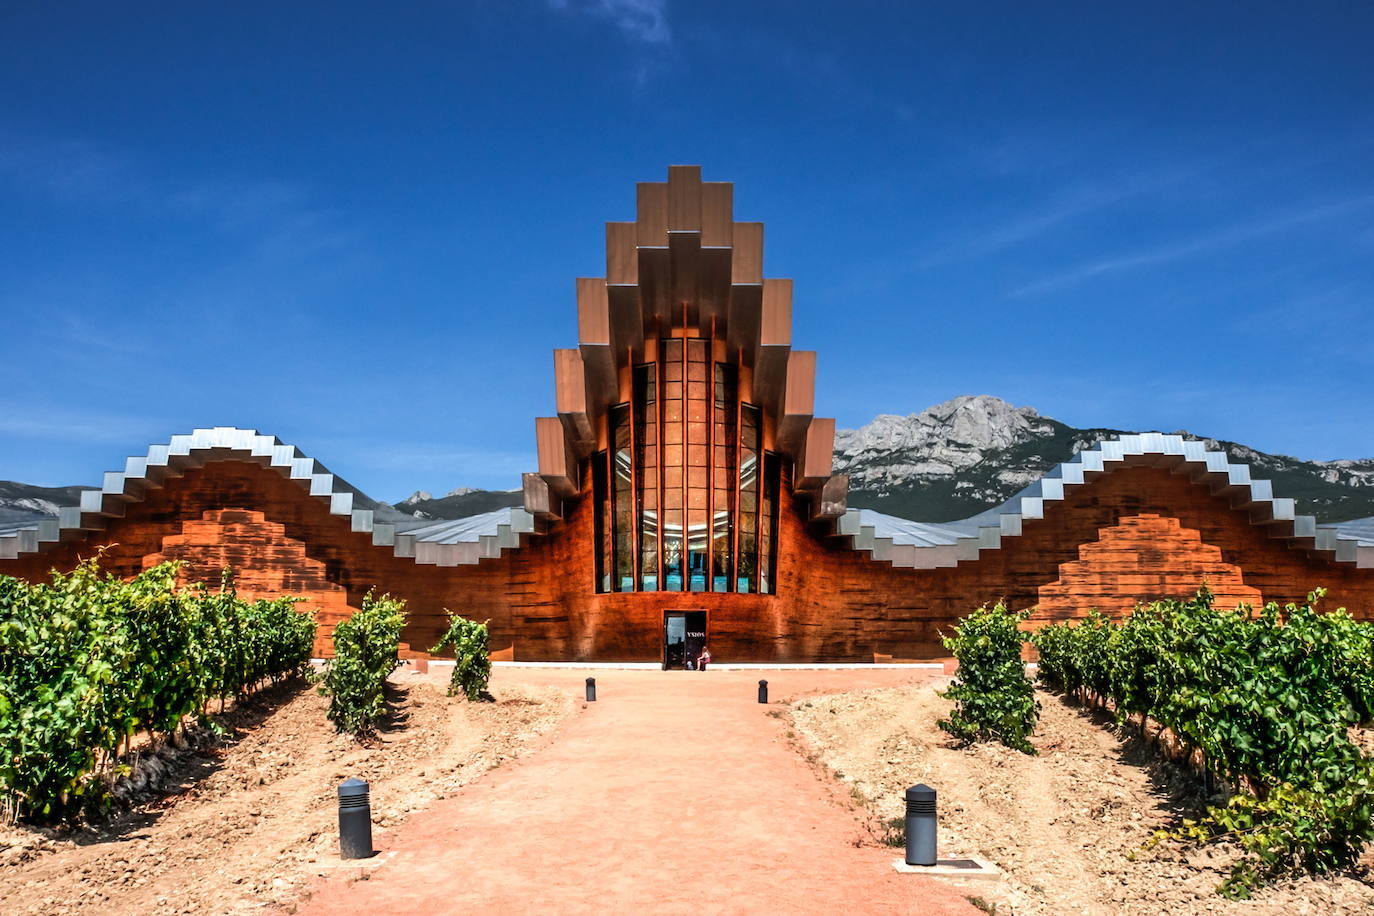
931	545
227	443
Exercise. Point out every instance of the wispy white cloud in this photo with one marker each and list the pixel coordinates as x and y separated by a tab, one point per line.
641	21
1200	244
1070	205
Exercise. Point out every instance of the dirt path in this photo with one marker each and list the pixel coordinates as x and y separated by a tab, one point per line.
1062	824
245	823
674	793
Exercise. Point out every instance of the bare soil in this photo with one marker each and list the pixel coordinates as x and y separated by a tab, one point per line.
1062	825
243	822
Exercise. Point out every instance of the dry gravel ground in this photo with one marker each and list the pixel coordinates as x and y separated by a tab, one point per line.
1061	825
241	824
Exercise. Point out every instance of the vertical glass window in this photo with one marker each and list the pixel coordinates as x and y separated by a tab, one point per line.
601	502
698	465
674	459
647	482
684	498
621	497
747	564
723	479
768	525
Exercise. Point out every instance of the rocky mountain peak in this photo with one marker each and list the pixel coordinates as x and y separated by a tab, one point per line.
958	458
942	439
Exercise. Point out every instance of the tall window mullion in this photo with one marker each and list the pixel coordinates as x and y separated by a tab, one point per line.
647	478
622	499
747	580
601	502
724	482
674	460
698	466
768	525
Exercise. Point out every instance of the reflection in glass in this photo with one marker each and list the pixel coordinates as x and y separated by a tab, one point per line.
622	518
746	579
723	477
647	482
684	498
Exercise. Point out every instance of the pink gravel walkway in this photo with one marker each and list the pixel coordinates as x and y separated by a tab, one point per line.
674	793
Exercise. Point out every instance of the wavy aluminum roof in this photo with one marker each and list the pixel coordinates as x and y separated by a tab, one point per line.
484	536
931	545
921	545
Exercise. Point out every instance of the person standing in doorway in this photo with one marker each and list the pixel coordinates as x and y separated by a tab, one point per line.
704	658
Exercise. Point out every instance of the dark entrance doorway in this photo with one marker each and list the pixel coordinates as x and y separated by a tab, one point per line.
684	636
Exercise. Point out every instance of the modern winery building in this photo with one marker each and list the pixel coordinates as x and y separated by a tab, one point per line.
684	495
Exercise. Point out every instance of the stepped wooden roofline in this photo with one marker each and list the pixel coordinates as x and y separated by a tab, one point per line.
684	266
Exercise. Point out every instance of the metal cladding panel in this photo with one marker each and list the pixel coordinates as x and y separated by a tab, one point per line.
489	546
717	214
622	258
651	213
933	544
848	524
747	264
593	312
223	444
556	462
522	522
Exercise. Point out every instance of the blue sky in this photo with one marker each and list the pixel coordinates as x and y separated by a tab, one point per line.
357	227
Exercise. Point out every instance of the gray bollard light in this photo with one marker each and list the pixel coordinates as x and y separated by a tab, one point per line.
920	825
355	820
763	691
591	690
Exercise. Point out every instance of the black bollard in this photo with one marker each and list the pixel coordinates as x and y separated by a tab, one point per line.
763	691
355	820
591	690
920	825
